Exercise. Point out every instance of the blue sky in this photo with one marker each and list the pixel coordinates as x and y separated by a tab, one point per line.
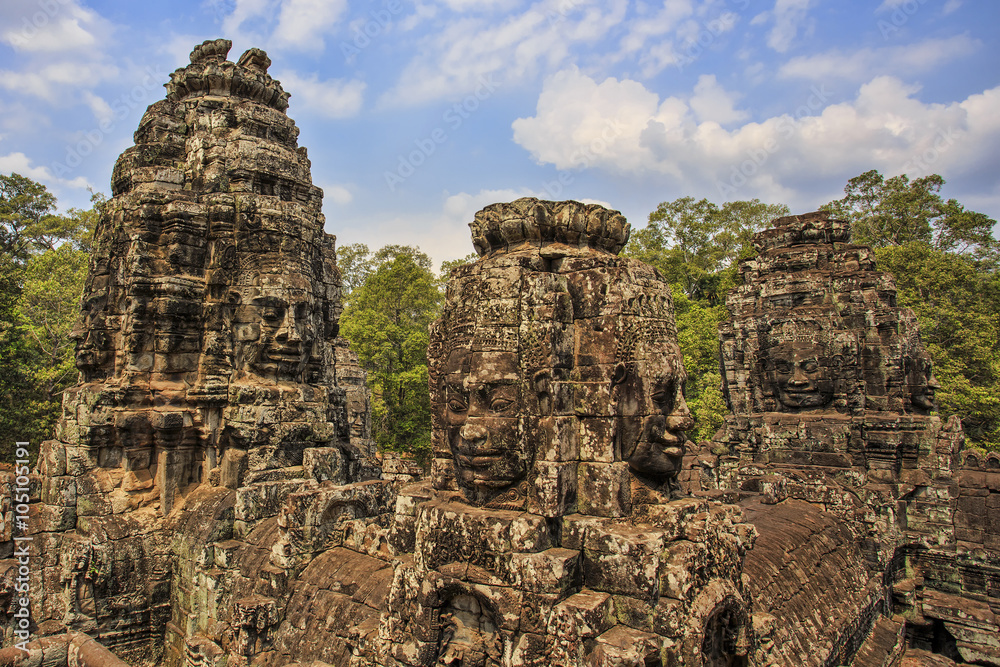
417	113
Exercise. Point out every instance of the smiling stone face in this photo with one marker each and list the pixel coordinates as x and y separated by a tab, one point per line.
274	332
482	410
921	381
801	375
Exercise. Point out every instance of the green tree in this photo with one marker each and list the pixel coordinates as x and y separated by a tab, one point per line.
25	209
43	261
355	263
14	358
49	306
957	304
386	321
891	212
696	244
450	265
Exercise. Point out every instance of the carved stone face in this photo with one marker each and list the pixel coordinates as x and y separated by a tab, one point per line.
922	383
800	374
469	635
482	410
652	413
274	332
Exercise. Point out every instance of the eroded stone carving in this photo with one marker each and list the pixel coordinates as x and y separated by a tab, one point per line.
832	396
552	351
208	349
559	418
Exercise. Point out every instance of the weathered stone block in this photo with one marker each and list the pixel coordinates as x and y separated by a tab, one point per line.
549	571
604	489
324	463
554	492
583	615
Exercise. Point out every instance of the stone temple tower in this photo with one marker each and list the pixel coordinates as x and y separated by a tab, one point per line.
208	347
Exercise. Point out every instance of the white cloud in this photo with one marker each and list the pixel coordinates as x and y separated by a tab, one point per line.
712	103
790	17
951	6
293	25
864	63
332	98
50	82
338	194
247	11
21	164
453	61
302	23
101	109
51	27
484	5
443	234
667	19
620	126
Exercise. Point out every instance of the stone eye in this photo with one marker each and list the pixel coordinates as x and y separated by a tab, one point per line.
500	404
455	405
782	367
810	366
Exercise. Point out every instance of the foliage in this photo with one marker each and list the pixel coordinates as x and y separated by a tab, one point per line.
957	302
947	268
43	261
891	212
695	244
386	321
698	336
355	263
14	358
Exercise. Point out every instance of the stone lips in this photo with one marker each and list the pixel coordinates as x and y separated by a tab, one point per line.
529	220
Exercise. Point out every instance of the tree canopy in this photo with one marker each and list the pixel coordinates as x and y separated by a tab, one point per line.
694	243
43	262
386	320
896	211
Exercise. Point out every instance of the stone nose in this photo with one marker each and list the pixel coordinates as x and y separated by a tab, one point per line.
474	434
289	330
799	377
680	419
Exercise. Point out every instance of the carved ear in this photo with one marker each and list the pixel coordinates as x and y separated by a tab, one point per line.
620	373
542	381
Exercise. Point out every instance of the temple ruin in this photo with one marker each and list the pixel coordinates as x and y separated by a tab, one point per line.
212	497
